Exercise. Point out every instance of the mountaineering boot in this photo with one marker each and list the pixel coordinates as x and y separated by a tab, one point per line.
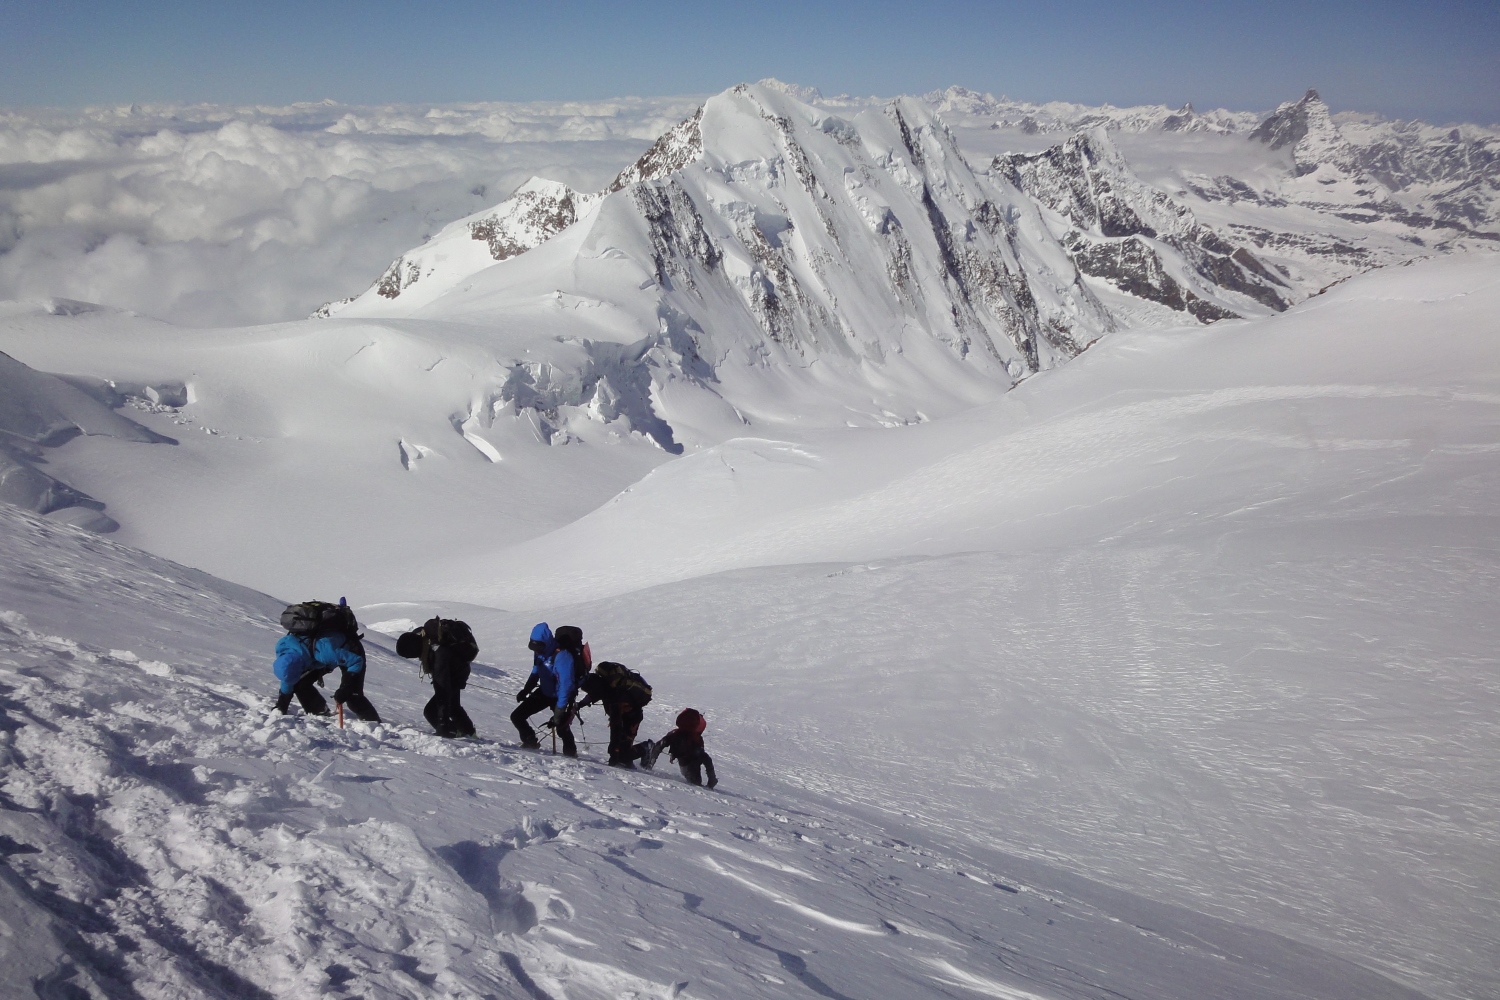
531	744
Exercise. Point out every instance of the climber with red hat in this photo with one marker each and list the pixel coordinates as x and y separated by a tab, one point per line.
685	746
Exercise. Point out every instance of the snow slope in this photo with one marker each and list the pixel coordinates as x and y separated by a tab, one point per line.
1359	385
1188	643
165	837
352	447
1210	613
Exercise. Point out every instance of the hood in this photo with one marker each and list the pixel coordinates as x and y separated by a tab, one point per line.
542	632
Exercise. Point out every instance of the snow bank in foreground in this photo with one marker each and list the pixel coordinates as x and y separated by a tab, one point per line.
165	837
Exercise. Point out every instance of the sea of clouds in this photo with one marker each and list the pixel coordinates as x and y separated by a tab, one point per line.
216	216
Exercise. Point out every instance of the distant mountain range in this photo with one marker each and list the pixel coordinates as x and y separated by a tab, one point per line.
776	228
776	259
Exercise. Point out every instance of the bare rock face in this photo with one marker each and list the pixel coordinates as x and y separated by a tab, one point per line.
681	145
1290	123
1136	236
538	210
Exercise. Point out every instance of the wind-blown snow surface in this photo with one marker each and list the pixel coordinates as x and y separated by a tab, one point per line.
165	837
1189	644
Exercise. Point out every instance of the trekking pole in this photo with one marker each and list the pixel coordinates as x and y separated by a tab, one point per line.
341	713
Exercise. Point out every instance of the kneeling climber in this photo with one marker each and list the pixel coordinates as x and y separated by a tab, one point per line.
685	745
623	693
320	639
445	648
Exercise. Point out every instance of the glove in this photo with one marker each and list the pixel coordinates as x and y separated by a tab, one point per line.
284	702
526	690
351	685
585	703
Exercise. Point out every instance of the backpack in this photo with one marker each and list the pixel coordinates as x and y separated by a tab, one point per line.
569	637
313	619
691	721
450	632
437	633
630	686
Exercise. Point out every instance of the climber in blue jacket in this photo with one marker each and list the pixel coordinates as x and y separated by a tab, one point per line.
558	662
302	661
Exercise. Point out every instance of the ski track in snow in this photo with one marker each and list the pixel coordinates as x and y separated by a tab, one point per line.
166	836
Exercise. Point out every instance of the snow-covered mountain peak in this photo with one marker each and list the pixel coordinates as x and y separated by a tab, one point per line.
535	212
1307	126
538	210
965	101
817	219
1291	120
1406	172
778	233
761	236
808	95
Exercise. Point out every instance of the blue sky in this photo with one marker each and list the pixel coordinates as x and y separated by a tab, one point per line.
1439	60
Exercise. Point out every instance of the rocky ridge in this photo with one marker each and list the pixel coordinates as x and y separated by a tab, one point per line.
1137	237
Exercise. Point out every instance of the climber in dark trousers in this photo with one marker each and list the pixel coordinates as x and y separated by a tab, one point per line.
623	693
320	639
445	648
540	689
685	745
559	661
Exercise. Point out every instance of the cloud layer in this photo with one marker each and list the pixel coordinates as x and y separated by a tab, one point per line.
211	215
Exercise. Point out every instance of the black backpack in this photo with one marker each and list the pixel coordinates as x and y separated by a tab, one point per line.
435	634
570	637
313	619
626	683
